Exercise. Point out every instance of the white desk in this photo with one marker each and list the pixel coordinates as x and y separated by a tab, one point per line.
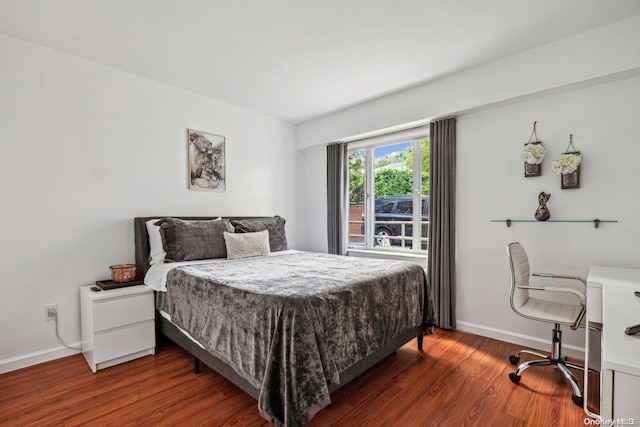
613	306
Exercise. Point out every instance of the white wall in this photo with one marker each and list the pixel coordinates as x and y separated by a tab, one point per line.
604	122
587	85
85	149
314	198
607	53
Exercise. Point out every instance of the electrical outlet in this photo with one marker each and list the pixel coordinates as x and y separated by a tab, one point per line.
51	312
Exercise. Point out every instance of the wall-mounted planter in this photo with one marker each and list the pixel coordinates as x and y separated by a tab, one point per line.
532	155
571	180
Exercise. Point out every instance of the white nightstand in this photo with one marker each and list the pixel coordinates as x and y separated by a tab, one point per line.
118	325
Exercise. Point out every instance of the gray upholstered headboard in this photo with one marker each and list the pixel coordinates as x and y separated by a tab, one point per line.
142	238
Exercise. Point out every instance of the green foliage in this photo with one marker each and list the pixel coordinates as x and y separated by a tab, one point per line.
398	157
426	157
388	182
356	178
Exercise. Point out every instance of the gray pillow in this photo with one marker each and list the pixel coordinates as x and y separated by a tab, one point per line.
275	226
191	240
245	245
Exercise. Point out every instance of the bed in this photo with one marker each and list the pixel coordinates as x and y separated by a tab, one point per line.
287	327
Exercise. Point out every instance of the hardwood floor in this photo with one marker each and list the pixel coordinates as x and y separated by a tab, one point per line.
457	380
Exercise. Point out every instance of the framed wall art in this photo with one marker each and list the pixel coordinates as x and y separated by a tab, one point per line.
207	168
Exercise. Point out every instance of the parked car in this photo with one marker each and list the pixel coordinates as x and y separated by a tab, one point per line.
390	210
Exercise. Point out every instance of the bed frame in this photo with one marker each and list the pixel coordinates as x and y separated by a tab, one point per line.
169	330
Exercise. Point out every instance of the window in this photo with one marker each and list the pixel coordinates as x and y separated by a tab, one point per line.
388	192
405	207
385	207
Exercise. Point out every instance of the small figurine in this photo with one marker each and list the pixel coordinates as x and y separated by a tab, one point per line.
542	213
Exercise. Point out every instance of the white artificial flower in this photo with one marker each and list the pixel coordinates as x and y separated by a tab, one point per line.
533	154
567	163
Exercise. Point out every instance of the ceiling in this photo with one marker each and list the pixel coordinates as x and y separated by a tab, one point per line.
299	59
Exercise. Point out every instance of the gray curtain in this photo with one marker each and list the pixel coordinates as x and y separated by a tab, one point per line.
336	198
442	220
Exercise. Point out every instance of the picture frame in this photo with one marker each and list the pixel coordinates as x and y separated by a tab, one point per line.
206	158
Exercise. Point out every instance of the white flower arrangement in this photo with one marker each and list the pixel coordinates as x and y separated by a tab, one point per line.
533	154
567	163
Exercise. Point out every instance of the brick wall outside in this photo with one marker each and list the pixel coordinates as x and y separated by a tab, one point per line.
355	214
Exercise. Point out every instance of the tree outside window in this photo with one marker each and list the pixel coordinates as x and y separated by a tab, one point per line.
392	167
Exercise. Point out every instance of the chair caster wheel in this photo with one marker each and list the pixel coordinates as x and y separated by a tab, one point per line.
514	359
578	400
515	378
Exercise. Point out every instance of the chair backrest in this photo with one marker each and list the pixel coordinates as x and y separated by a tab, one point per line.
519	264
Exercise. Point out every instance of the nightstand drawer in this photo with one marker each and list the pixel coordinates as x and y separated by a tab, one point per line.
121	311
127	340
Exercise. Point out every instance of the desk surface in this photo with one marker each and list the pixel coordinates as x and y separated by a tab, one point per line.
620	309
601	274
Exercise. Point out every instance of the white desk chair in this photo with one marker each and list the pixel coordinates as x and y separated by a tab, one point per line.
544	311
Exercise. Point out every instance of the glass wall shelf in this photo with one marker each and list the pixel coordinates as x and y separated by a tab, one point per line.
596	222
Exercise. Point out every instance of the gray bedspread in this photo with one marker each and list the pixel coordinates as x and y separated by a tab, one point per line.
289	324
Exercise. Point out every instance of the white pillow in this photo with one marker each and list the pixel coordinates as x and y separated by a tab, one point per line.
245	245
156	249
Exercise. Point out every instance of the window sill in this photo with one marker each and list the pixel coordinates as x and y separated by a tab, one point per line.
415	257
403	254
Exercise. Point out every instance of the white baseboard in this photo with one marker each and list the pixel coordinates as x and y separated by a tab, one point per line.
25	360
519	339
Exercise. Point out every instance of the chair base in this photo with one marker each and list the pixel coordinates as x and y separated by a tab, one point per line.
555	359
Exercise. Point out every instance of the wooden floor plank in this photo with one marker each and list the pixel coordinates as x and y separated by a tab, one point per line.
458	379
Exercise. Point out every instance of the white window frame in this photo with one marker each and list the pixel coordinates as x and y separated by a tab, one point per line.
415	136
